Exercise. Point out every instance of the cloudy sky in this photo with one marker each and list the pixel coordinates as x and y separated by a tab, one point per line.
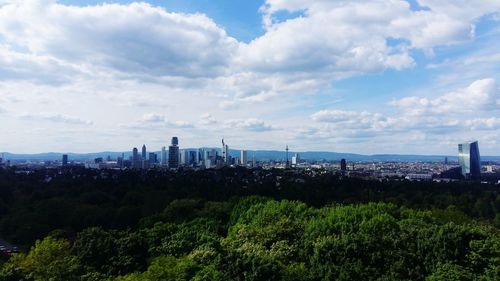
362	76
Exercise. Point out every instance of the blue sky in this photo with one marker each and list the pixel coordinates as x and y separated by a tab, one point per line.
358	76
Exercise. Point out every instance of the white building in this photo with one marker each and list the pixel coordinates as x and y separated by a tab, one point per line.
295	159
243	157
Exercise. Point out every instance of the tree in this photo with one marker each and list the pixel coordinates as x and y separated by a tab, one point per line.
49	260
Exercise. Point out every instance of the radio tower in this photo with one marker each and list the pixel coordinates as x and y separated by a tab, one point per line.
287	163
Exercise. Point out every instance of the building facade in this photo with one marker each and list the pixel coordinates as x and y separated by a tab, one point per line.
243	158
470	160
173	154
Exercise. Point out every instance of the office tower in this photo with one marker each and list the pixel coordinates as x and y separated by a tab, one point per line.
343	165
470	160
446	160
65	159
144	154
152	159
163	156
173	154
136	161
201	155
193	157
225	153
243	158
184	157
295	159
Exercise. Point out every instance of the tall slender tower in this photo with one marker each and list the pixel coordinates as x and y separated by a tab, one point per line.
287	163
135	158
144	152
163	156
225	153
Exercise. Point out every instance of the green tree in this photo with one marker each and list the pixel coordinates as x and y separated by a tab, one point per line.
49	260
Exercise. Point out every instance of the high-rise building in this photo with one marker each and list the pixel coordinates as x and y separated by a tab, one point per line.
144	153
163	156
295	159
184	157
193	158
243	157
152	158
470	160
173	154
136	160
343	165
225	154
65	160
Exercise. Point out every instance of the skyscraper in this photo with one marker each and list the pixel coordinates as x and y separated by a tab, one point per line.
173	154
136	161
144	154
163	156
152	159
343	165
225	153
295	160
65	159
243	158
193	158
470	160
184	157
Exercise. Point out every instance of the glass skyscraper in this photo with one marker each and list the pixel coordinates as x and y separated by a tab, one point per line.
470	160
173	154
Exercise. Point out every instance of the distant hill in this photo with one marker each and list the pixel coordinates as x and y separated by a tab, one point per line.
259	155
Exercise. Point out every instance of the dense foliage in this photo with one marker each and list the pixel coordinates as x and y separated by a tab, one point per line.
239	224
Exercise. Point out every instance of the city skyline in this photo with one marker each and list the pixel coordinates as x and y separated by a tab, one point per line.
367	77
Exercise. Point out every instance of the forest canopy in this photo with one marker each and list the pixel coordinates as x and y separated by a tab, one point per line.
238	224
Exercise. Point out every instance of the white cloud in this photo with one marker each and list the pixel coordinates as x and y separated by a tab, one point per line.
154	120
478	96
55	117
346	120
228	105
207	119
250	124
342	38
492	123
134	39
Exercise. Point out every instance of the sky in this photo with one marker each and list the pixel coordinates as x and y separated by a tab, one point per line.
360	76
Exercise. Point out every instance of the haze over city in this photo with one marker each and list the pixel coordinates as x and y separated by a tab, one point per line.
410	77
